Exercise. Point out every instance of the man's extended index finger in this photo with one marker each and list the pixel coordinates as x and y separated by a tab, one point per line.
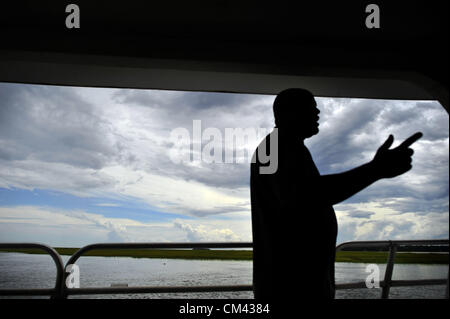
410	140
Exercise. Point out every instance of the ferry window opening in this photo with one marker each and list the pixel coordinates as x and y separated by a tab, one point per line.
84	165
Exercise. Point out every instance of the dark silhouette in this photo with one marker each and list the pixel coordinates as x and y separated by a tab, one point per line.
293	220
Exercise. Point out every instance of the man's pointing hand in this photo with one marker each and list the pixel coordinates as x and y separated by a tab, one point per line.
389	163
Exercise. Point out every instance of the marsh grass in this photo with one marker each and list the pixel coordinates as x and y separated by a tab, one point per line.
376	257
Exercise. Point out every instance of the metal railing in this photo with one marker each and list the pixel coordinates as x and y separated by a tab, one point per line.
152	289
54	292
60	289
392	246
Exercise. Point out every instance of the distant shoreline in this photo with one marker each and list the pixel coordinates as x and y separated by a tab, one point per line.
376	257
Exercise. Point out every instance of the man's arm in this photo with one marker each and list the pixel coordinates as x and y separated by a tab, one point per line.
386	164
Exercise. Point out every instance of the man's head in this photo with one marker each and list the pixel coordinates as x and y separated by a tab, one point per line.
296	111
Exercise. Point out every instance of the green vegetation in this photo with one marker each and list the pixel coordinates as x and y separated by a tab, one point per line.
380	257
376	257
152	253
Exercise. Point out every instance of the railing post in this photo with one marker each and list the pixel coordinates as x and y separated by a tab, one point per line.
389	271
63	287
448	278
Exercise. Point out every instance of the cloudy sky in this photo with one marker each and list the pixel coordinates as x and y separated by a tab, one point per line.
85	165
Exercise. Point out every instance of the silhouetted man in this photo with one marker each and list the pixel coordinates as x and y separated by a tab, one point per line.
293	220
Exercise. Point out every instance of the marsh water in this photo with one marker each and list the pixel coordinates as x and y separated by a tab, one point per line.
19	270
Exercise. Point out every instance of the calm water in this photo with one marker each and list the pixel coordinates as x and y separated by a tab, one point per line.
38	271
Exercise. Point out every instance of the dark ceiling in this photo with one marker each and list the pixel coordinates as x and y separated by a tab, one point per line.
290	37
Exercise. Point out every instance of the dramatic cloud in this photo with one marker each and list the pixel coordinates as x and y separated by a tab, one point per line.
202	233
53	125
360	214
164	111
